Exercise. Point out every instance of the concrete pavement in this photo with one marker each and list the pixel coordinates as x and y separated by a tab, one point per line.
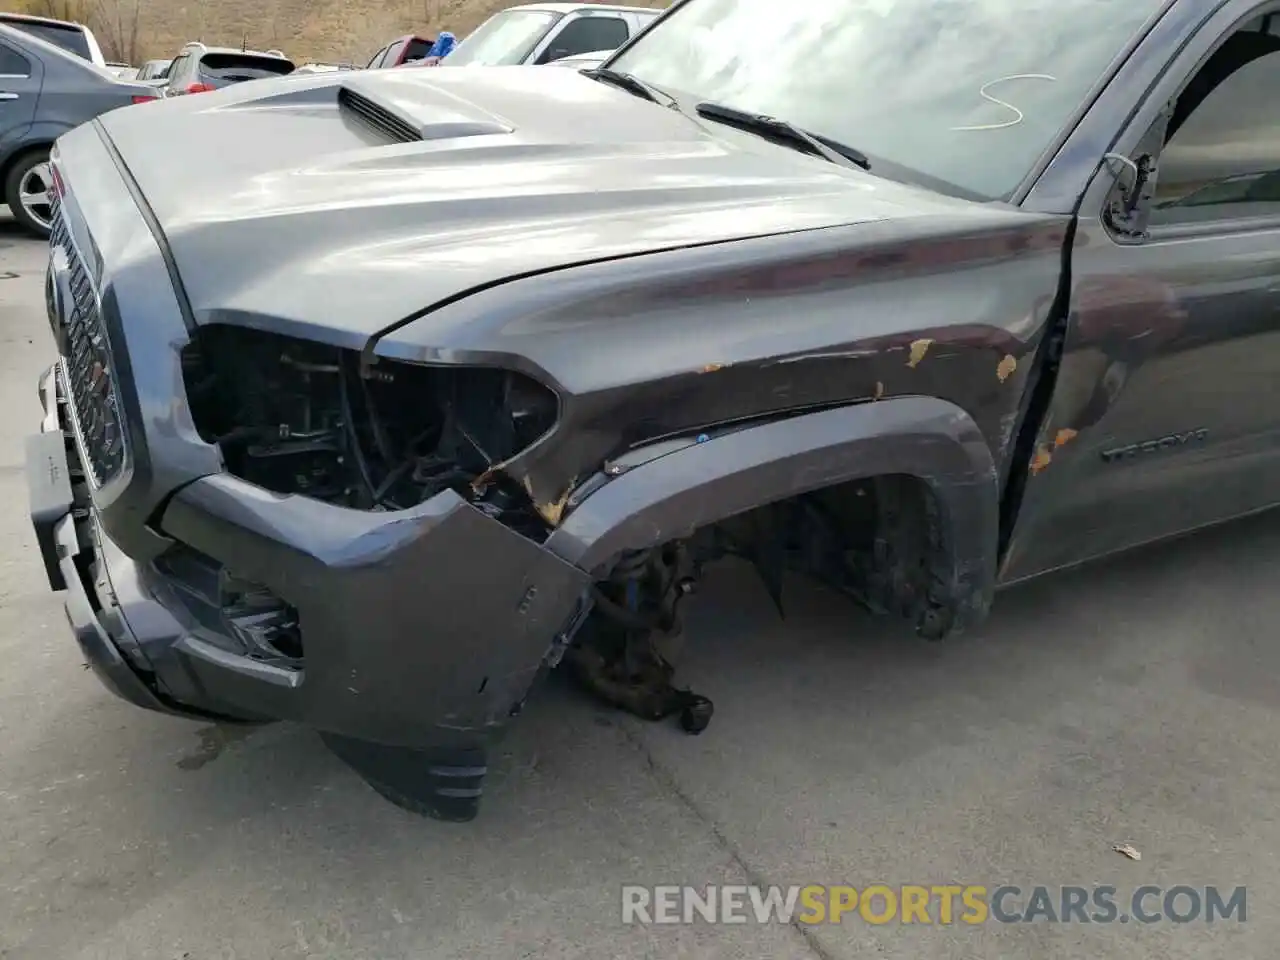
1133	702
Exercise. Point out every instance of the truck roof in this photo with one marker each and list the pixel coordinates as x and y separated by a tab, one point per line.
572	7
29	18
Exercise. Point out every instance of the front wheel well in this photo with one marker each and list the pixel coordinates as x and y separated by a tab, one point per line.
896	503
882	540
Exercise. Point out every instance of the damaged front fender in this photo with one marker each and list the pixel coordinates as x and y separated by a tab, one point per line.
694	485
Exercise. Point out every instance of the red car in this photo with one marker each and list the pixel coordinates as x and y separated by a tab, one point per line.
400	51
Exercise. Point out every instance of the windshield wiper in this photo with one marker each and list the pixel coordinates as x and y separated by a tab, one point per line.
632	84
771	126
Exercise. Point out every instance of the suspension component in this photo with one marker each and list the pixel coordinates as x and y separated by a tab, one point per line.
624	652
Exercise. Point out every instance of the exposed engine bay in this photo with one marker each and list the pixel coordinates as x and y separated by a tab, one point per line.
299	417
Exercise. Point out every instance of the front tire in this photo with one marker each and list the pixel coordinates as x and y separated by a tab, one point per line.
27	191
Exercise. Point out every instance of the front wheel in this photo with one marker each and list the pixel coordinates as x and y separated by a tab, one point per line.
28	192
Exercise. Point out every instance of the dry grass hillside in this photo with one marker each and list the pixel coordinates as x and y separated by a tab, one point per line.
351	30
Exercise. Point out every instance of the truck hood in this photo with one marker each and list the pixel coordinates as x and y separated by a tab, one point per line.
335	205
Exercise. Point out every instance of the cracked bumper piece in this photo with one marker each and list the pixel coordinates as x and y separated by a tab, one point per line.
421	631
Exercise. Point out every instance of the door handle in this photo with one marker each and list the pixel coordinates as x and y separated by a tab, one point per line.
8	96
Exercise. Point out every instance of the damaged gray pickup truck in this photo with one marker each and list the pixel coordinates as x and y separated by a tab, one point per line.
380	394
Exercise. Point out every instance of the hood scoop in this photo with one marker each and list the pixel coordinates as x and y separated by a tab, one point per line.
377	116
413	113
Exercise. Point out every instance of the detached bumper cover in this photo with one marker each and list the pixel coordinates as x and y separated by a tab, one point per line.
422	628
65	531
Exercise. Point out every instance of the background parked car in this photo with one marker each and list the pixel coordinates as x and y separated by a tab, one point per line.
543	32
400	51
75	38
439	50
585	61
44	92
123	71
154	70
199	69
324	67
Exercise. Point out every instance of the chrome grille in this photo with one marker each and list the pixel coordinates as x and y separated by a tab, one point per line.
87	371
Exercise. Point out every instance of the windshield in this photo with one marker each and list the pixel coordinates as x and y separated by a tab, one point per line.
965	92
69	38
505	39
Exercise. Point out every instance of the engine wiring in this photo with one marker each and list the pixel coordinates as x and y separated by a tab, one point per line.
300	418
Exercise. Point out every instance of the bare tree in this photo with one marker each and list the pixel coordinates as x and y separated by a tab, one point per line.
269	10
77	11
365	32
116	22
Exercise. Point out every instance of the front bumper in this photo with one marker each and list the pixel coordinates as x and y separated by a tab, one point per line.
421	629
407	638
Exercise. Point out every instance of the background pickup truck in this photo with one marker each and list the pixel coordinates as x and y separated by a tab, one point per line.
539	33
441	379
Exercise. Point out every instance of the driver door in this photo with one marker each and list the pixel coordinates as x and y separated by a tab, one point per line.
1165	416
20	82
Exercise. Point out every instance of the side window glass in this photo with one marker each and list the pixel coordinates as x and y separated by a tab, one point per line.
377	59
393	54
585	35
12	63
1221	159
418	50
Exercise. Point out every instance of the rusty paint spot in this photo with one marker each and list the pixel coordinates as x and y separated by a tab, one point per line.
1064	437
552	512
1004	370
1040	460
879	390
712	367
484	479
918	349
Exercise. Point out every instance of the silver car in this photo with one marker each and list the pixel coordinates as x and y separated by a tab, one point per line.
45	92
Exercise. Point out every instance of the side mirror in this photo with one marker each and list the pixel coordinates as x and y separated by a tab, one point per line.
1129	205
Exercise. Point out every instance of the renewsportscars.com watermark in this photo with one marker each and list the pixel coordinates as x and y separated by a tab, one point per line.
949	904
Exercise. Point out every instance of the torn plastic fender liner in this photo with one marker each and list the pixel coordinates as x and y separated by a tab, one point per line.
703	483
420	627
